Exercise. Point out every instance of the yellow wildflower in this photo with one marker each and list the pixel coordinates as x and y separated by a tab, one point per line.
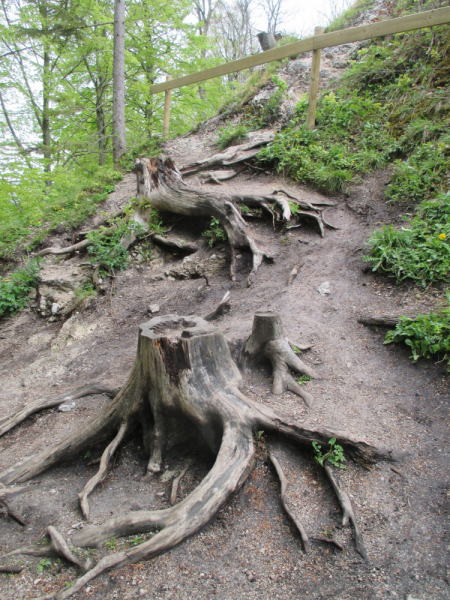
442	236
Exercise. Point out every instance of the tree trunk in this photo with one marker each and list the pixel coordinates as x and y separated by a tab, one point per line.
119	132
46	139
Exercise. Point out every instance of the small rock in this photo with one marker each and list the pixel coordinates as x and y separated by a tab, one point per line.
133	582
55	308
160	494
36	581
251	577
324	288
66	407
142	592
202	574
153	309
52	491
79	525
213	256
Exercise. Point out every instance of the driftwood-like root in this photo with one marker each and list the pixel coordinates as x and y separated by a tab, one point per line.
268	339
183	376
347	509
222	309
175	485
8	422
293	274
297	523
331	540
379	320
10	569
101	474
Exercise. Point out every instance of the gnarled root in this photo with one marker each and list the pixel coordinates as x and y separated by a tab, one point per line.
347	508
101	474
268	339
183	376
222	309
175	485
283	482
7	423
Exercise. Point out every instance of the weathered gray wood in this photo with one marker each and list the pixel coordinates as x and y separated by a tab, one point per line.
314	84
439	16
379	320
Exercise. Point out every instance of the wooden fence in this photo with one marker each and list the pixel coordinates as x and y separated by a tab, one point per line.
439	16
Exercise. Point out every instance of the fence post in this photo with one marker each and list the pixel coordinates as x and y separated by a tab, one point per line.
166	119
313	84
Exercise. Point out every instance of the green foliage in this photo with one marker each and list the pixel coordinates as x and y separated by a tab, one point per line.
426	335
304	378
87	455
350	139
230	135
269	111
334	455
111	544
44	564
215	233
138	539
15	289
420	252
106	250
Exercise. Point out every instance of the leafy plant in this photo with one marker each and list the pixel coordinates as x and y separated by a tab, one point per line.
334	455
106	249
259	435
88	454
15	289
230	135
426	335
420	252
304	378
215	233
296	349
138	539
111	544
43	564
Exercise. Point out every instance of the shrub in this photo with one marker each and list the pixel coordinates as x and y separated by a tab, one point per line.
15	289
106	250
230	135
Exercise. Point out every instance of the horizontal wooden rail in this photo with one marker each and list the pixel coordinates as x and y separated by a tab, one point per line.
439	16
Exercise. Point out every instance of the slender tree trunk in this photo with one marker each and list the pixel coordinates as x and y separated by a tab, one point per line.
101	128
119	135
46	117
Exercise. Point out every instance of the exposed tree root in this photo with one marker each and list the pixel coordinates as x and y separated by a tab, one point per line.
217	176
293	274
297	523
222	309
268	339
175	485
379	320
10	421
10	569
347	508
14	514
61	251
183	382
183	247
232	155
331	540
101	474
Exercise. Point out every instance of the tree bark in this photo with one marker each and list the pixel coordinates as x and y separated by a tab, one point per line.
119	131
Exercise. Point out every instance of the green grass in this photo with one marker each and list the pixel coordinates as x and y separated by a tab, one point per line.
428	335
421	250
231	135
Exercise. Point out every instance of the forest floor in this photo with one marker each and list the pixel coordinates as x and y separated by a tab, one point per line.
250	550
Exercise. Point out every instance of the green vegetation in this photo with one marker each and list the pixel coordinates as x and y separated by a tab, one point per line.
350	139
426	335
215	233
15	289
111	544
421	251
106	250
334	455
44	564
231	135
304	378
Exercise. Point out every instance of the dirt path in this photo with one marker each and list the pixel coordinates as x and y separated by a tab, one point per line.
250	550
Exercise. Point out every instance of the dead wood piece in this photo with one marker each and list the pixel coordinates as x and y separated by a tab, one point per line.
10	569
233	155
183	381
331	540
61	251
268	339
14	514
222	309
347	509
295	271
101	474
183	247
283	482
379	320
6	493
60	546
10	421
175	485
217	176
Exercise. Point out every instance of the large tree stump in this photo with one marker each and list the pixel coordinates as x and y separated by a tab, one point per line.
183	381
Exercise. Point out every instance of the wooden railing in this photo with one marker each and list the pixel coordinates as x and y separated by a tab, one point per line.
439	16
